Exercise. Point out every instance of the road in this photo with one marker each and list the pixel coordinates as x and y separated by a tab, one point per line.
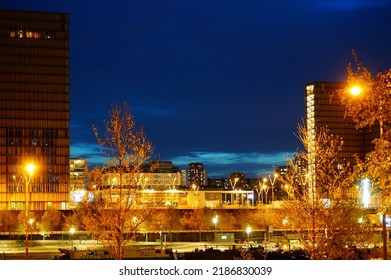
49	250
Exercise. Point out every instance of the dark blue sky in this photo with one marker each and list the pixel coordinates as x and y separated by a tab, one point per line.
219	82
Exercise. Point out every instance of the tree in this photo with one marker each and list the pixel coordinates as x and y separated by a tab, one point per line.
371	105
321	210
24	219
368	100
7	220
197	219
50	220
111	216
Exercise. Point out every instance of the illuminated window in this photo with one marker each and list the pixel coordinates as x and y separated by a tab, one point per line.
20	33
13	34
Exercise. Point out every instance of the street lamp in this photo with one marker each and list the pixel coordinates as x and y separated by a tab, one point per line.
265	189
288	190
272	181
215	220
378	113
72	231
233	185
195	189
285	222
248	230
29	168
355	90
161	235
31	221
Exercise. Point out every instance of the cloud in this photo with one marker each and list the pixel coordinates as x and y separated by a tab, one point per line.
91	152
220	164
217	164
224	158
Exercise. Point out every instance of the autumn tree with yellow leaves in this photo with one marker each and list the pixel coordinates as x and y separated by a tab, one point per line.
111	215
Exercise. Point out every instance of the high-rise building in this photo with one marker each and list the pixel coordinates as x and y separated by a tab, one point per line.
324	109
196	174
34	109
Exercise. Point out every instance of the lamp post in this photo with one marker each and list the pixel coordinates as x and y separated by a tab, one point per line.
248	230
266	190
27	177
378	113
233	185
272	181
31	221
161	235
215	220
72	231
285	222
195	189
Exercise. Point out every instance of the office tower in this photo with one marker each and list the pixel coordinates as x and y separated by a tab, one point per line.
34	109
196	174
324	109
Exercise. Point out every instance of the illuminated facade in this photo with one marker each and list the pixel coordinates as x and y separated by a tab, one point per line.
78	174
324	109
34	109
153	180
188	198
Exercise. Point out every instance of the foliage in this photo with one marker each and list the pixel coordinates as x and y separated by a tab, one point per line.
322	211
23	220
8	220
372	106
113	216
50	220
74	221
373	103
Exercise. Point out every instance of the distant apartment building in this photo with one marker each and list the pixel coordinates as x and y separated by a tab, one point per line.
237	180
34	110
221	183
164	176
196	174
78	174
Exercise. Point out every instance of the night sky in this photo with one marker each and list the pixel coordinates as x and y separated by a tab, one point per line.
218	82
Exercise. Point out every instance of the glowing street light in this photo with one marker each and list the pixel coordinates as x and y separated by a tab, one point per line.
31	221
272	181
355	90
72	231
215	220
29	168
378	114
248	230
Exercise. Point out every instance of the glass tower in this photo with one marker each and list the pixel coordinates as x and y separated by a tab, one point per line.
34	109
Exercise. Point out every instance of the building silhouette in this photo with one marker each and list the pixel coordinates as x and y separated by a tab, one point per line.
34	108
196	174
